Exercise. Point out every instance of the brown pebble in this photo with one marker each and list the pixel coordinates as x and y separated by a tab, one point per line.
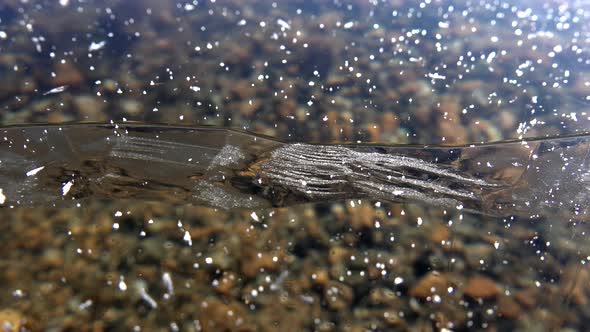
90	108
67	74
249	107
574	285
362	216
220	316
392	319
226	283
508	308
286	108
432	283
337	80
58	117
10	320
266	261
439	233
450	107
374	132
454	133
131	107
337	254
338	295
527	297
480	287
389	122
321	277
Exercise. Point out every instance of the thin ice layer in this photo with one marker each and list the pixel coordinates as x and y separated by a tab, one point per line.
229	169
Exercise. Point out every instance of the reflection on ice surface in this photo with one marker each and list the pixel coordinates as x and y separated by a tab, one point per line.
231	169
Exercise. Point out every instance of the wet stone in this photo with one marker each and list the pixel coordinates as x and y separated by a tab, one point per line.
91	108
338	295
439	233
430	284
10	320
66	74
480	287
508	307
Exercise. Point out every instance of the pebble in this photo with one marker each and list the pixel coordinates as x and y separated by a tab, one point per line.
439	233
131	107
508	307
226	284
66	74
480	287
574	284
10	320
452	133
91	108
390	123
430	284
527	297
338	295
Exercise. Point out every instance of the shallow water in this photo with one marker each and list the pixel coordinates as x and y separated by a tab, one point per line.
301	207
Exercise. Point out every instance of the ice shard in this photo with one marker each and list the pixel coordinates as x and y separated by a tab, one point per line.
57	164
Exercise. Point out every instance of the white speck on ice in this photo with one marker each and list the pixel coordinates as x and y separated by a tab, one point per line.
187	238
96	46
56	90
3	35
283	24
2	197
436	76
348	25
85	305
397	192
167	280
147	298
254	216
443	25
122	285
35	171
491	57
242	22
64	2
66	188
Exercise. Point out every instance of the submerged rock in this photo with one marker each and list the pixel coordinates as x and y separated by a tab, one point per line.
480	287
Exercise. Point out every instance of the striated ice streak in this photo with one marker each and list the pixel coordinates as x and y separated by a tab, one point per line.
318	171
